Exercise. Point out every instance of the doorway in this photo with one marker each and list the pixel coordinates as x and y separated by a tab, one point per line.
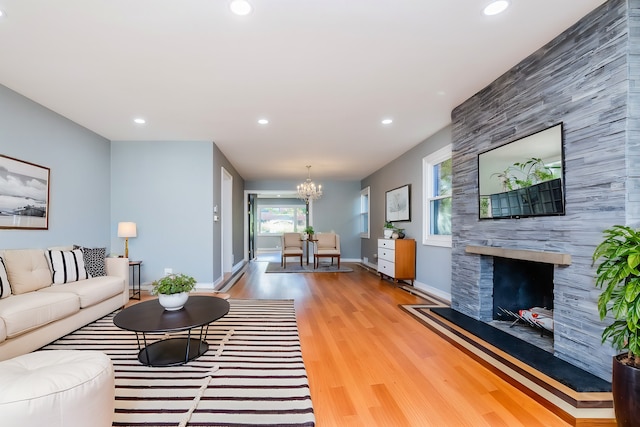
254	240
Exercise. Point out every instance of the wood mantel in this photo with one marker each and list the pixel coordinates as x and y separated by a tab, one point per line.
523	254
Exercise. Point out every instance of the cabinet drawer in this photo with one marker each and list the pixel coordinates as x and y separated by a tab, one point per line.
387	243
387	254
387	268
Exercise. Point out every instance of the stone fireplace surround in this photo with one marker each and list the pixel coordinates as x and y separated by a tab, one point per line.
586	79
490	254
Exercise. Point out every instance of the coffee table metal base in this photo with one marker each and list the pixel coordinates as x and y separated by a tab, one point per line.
172	351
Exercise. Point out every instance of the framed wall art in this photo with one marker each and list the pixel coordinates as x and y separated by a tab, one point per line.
398	204
24	194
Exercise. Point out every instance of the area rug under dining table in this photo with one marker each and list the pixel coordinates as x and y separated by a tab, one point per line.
292	267
252	375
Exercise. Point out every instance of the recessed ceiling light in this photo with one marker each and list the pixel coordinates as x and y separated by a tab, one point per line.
496	7
387	121
140	121
240	7
263	121
1	13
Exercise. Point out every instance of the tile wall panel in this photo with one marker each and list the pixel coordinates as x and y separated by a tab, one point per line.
586	78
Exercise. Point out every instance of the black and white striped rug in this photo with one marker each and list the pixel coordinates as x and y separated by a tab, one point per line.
252	375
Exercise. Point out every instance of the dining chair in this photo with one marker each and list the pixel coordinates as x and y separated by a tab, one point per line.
291	247
327	245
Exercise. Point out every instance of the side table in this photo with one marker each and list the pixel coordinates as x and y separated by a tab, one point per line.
313	242
134	266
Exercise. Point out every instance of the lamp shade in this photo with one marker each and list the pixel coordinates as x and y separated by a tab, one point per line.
127	229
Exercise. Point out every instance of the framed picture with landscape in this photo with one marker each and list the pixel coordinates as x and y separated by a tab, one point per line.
24	194
398	204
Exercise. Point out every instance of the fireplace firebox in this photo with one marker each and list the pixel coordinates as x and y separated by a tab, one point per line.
520	284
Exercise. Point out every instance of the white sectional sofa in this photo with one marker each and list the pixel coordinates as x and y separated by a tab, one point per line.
46	294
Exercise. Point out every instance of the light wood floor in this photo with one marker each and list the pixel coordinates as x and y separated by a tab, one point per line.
371	364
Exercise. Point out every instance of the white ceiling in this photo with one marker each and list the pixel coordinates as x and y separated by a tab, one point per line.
324	72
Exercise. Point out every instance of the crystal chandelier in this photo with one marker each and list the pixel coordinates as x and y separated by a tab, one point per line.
308	190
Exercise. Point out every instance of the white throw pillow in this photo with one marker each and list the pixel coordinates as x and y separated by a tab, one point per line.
67	266
5	288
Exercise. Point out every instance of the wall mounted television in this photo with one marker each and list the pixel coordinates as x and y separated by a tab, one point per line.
524	177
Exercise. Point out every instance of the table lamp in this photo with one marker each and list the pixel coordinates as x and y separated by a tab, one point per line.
126	230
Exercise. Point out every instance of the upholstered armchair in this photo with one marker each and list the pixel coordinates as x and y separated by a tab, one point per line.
291	247
328	246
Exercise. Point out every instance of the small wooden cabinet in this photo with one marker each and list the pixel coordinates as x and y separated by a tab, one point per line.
397	259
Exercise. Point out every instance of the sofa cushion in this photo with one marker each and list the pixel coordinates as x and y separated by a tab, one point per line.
24	312
27	270
326	241
67	266
93	260
5	288
91	291
61	248
3	330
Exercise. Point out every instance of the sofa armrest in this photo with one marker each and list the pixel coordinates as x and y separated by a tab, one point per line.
119	267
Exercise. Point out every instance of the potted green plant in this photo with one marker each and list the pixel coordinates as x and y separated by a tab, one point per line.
173	290
388	229
398	233
619	278
308	230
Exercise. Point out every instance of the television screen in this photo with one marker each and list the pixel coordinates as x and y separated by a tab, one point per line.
524	177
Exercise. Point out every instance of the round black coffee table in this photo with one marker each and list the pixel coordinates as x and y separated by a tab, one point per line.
151	317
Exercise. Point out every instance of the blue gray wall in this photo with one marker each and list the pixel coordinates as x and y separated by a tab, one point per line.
79	181
169	189
338	210
433	264
166	188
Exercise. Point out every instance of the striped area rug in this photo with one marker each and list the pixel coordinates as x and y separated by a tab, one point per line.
252	375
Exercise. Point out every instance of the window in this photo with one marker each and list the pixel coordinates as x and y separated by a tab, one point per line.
437	175
364	213
281	219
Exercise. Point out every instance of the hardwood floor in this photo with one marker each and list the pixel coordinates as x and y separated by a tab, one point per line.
371	364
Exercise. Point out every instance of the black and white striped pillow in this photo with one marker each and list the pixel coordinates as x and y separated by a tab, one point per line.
5	288
67	266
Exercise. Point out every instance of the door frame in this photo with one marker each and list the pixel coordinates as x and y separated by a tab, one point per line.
246	216
226	221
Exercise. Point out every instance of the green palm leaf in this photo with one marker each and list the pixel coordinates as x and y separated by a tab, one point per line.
619	278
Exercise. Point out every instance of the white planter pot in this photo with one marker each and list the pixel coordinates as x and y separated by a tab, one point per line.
173	302
388	232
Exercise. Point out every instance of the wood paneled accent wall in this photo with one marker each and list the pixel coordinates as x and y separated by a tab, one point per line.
587	78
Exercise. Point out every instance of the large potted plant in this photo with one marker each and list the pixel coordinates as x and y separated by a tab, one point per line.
173	290
619	278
